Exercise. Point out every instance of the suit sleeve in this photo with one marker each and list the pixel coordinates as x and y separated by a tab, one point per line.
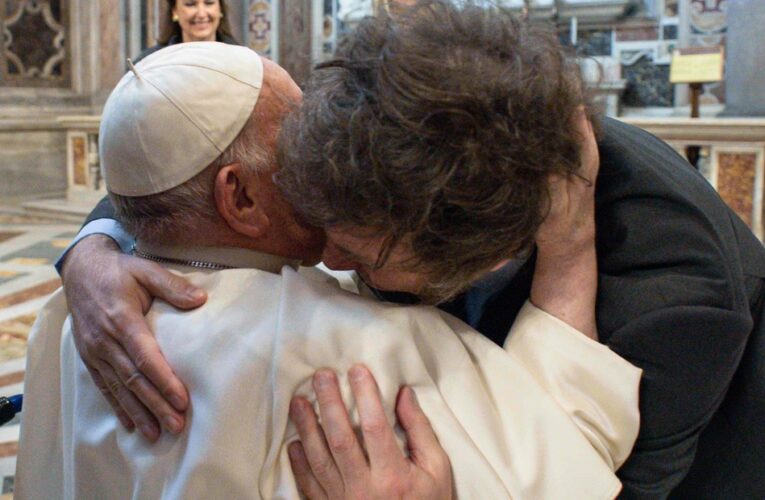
104	210
671	301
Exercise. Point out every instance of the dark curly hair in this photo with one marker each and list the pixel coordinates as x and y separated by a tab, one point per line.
438	127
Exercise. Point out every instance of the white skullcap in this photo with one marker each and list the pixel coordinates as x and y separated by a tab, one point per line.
172	117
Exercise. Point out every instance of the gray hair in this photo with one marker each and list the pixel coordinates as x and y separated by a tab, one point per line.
171	216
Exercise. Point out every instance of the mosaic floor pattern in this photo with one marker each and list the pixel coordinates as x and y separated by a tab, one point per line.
27	278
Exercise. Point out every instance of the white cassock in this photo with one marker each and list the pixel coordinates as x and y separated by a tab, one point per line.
550	416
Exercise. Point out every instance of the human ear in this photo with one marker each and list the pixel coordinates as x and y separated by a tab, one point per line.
237	201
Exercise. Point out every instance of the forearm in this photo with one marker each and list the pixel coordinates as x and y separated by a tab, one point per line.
85	248
565	286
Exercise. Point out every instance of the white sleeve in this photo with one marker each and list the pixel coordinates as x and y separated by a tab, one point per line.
596	387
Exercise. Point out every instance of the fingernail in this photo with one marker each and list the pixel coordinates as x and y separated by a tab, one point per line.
126	422
172	424
294	450
297	410
149	432
356	372
177	402
412	397
197	294
323	378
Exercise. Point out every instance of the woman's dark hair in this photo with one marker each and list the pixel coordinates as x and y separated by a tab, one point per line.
168	29
439	127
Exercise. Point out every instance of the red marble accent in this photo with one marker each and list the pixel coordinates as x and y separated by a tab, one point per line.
80	160
9	449
735	182
11	379
5	236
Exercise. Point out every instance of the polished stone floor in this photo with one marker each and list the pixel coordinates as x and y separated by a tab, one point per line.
28	250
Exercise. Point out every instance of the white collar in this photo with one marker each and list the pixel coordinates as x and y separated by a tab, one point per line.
216	257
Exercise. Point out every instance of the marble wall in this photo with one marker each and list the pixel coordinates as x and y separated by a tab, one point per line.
745	59
46	85
643	42
31	164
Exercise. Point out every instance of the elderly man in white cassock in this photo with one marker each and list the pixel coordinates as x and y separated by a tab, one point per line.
187	142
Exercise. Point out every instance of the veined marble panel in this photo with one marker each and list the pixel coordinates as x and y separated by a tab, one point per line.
740	182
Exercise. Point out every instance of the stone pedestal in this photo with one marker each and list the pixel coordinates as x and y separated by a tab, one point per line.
745	59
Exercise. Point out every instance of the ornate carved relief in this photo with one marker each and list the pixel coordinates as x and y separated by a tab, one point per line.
34	50
708	22
647	84
260	26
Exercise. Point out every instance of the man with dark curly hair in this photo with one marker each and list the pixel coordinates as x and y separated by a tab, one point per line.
425	150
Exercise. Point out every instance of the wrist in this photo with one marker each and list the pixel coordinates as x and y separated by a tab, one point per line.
85	249
565	286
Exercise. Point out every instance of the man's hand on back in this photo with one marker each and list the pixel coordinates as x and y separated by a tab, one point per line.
108	294
329	462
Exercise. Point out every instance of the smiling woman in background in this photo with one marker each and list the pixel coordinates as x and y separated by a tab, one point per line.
192	21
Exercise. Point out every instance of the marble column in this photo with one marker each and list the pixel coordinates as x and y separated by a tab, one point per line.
295	38
110	49
745	59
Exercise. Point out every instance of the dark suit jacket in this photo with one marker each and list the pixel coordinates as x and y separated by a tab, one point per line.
681	287
680	294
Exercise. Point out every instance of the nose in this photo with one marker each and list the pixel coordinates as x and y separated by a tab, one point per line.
201	10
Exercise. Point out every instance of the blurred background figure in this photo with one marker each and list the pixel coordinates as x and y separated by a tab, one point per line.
192	21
